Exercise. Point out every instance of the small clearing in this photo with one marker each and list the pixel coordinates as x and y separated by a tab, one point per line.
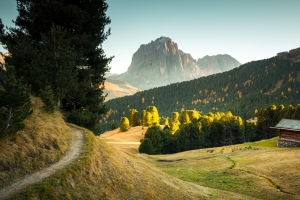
74	151
277	86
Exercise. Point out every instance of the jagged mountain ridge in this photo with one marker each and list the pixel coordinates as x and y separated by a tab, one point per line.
161	62
217	64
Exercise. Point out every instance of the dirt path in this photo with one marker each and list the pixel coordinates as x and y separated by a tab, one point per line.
74	151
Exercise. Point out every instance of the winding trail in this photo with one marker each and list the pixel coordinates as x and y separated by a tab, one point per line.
74	151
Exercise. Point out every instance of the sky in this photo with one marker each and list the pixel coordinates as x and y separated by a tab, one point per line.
245	29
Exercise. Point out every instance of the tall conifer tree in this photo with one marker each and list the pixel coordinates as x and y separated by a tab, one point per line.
58	43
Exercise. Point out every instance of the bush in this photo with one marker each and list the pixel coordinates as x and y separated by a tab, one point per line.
146	146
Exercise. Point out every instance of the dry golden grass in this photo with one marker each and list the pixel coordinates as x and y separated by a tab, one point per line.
258	170
111	168
43	141
105	172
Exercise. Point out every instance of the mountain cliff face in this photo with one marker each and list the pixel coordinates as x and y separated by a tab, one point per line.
217	64
160	63
116	88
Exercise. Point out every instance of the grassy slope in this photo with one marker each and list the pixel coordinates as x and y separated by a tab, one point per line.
105	172
116	171
256	169
43	141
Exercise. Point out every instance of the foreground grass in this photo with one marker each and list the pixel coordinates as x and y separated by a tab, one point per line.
101	172
260	170
43	141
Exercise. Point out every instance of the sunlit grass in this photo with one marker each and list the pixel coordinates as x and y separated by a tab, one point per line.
43	141
263	143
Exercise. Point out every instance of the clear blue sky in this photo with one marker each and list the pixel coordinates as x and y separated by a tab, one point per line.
246	30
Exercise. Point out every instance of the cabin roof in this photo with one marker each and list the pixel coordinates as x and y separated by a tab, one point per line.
288	124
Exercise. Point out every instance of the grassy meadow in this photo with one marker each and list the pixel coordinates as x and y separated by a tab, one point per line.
260	169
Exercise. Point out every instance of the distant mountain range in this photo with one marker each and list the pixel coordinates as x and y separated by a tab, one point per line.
161	62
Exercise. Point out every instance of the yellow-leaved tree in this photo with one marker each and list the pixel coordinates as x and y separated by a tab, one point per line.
124	125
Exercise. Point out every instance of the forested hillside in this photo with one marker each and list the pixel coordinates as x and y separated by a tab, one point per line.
243	91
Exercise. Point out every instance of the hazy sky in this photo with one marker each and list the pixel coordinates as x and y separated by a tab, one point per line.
246	30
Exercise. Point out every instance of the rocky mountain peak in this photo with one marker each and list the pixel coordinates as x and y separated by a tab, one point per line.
158	63
161	62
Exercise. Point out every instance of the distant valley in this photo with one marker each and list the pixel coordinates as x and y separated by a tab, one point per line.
117	88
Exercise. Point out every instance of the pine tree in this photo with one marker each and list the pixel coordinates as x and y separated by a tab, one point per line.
47	99
296	114
64	54
15	103
146	146
154	134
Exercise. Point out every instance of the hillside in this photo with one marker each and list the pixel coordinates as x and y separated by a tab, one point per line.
116	88
251	86
250	169
105	172
111	168
43	141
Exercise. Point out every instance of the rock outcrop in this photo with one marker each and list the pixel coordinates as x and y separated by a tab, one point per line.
160	63
217	64
293	55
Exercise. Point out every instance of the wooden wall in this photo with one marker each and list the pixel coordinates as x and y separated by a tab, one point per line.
295	135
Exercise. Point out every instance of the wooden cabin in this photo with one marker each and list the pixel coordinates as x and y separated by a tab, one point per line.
289	135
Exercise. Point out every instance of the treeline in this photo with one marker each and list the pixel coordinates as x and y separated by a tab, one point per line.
189	130
61	60
252	86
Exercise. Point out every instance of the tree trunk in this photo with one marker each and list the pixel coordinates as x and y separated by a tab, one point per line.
8	120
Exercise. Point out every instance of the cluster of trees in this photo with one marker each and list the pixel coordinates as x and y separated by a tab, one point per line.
148	117
271	115
251	86
55	50
193	131
190	130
